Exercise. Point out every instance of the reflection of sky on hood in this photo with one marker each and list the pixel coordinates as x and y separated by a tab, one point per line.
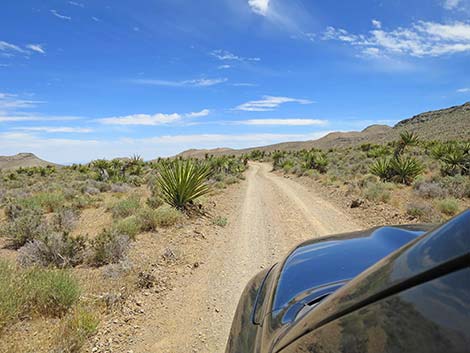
320	263
443	244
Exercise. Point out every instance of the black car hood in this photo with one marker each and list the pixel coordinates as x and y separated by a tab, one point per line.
321	266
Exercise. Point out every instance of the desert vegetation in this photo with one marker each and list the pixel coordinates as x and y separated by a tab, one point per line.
61	226
427	181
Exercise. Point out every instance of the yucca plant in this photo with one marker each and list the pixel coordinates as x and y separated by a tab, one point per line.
382	168
316	160
407	138
405	170
183	181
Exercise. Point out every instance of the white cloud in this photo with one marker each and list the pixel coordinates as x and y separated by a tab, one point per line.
18	118
225	55
51	129
204	112
96	19
377	24
142	119
37	48
222	67
260	7
62	17
78	4
284	122
269	103
8	47
463	90
451	4
202	82
62	150
419	40
152	120
10	101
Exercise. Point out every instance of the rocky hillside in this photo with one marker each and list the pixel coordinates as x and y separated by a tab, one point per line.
445	124
22	160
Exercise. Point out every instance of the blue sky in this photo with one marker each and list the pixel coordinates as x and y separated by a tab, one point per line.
87	79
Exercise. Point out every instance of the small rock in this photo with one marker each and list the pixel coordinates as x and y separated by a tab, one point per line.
356	203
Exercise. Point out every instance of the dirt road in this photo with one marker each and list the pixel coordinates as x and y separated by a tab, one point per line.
272	214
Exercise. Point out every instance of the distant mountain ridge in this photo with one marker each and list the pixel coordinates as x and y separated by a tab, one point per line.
444	124
24	160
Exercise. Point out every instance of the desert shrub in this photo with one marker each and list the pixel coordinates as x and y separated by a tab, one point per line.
75	329
60	250
34	291
90	190
83	201
25	227
10	303
146	217
400	169
377	192
457	186
129	226
429	190
423	211
448	206
50	292
126	207
65	220
166	216
48	201
108	247
183	182
120	188
220	221
231	179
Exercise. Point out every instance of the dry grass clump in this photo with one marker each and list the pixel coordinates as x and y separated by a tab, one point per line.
448	206
75	329
126	207
35	291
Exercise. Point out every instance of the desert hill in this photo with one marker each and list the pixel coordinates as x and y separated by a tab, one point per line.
22	160
444	124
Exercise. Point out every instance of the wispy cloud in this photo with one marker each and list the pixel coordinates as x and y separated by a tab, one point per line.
284	122
8	48
34	117
59	15
204	112
451	4
421	39
152	119
10	101
201	82
37	48
225	55
51	129
78	4
269	103
259	7
463	90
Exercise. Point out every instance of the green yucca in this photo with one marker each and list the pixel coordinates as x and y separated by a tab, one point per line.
405	170
382	168
407	138
183	181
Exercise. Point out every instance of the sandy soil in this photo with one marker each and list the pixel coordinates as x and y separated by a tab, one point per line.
269	215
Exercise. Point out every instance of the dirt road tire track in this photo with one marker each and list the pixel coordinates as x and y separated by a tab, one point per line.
273	215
